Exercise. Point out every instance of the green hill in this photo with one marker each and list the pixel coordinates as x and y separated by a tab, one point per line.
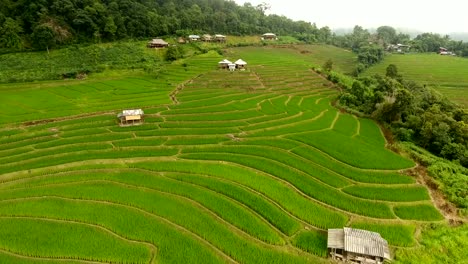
446	74
249	167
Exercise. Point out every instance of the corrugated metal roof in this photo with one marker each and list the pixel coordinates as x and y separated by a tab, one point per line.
335	238
359	241
131	112
158	41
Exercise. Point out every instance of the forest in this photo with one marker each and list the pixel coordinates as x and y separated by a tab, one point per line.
46	23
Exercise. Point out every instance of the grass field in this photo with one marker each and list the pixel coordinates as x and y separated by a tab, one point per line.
244	167
446	74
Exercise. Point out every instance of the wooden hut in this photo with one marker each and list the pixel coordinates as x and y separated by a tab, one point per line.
220	38
357	246
224	64
131	117
240	64
269	36
207	38
157	43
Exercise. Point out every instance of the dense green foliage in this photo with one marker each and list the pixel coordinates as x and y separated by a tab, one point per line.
439	244
48	23
413	112
75	62
451	178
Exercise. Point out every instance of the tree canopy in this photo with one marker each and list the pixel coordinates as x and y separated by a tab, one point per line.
75	21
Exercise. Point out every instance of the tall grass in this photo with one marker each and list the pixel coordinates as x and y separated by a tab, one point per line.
312	188
312	241
395	194
46	238
175	245
422	212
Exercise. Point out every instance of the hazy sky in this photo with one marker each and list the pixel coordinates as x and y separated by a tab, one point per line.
429	16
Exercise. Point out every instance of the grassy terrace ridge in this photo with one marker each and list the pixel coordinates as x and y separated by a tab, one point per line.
245	167
446	74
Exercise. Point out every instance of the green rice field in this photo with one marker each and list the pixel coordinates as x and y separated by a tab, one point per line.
246	167
446	74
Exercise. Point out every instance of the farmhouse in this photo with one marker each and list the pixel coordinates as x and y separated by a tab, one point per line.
444	51
357	246
131	117
219	38
157	43
269	36
194	38
399	48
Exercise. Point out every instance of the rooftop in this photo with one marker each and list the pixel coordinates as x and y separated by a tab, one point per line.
131	112
358	241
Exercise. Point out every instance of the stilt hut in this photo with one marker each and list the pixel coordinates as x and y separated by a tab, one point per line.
357	246
207	38
224	64
240	64
131	117
220	38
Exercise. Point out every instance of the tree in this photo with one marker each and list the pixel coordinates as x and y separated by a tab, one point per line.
43	37
110	28
10	34
387	34
392	71
328	65
173	53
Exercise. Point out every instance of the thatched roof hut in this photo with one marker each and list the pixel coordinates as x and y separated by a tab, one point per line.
157	43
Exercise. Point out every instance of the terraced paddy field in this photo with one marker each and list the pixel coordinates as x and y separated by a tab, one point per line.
446	74
243	167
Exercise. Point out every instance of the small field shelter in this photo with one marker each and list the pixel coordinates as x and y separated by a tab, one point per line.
357	246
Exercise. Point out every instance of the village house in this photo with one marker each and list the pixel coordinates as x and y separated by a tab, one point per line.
399	48
194	38
357	246
157	43
444	51
131	117
269	36
220	38
207	38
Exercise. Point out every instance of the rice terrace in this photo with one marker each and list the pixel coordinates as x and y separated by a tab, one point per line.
246	167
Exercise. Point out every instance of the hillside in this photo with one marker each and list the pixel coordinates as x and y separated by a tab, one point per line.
244	167
446	74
